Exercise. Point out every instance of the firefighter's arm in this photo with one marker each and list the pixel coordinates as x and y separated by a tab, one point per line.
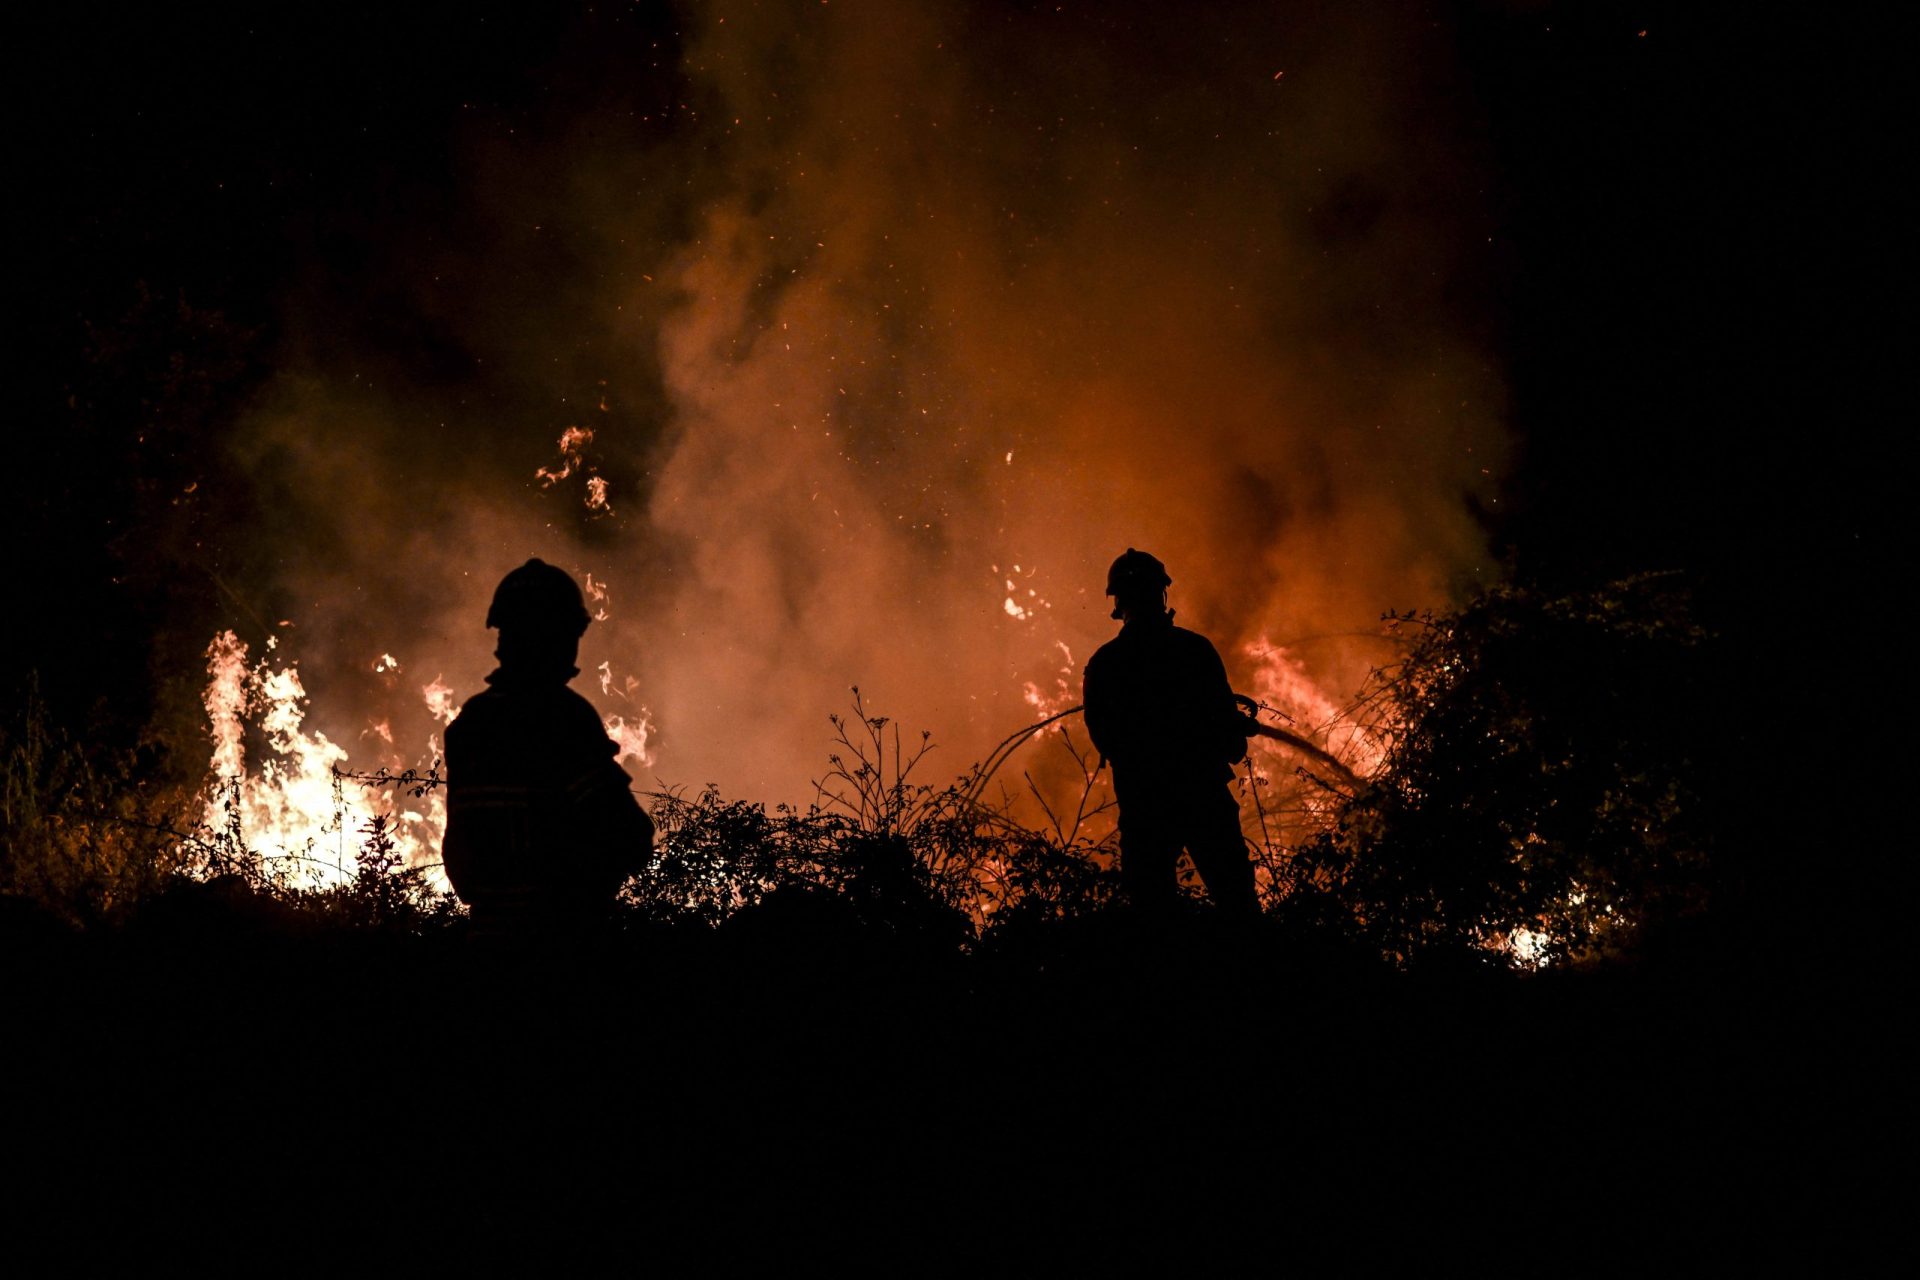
1233	713
603	795
1095	697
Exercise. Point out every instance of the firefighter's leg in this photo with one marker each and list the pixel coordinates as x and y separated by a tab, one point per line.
1220	852
1149	854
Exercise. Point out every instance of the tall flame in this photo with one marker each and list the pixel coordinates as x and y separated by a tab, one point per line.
290	810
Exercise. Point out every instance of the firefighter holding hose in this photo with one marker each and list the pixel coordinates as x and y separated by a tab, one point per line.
542	826
1160	710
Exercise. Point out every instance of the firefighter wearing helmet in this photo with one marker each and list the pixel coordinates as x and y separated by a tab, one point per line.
1160	710
542	826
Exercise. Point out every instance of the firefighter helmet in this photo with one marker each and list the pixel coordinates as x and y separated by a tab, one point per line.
537	595
1137	571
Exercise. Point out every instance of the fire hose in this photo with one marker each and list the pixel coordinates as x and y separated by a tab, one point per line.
1253	726
1287	737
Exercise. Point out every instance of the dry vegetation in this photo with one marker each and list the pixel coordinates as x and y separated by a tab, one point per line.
1540	798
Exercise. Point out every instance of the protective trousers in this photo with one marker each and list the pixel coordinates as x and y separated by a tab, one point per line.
1201	818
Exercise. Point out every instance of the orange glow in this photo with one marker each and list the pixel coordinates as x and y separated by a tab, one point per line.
878	402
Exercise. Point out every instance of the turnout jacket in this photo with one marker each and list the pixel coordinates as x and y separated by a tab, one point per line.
1160	709
541	823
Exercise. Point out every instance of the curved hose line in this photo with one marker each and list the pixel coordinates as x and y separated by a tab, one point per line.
1286	737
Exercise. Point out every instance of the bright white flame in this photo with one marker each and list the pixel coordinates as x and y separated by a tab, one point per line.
226	703
1528	947
291	810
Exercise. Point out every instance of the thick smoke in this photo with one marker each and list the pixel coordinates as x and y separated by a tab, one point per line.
891	330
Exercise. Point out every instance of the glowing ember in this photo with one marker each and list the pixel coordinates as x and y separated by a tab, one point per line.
440	703
597	597
1063	691
572	441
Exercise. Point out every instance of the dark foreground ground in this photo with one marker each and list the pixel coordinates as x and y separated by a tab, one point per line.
796	1093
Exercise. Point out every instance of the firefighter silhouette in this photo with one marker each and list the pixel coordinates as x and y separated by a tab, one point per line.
542	827
1160	710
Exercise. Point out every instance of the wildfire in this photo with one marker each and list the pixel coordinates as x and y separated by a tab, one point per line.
291	810
292	807
1281	682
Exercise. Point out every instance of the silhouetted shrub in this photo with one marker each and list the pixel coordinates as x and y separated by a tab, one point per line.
82	833
1542	788
934	863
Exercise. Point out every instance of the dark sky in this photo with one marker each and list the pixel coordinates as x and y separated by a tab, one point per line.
1678	293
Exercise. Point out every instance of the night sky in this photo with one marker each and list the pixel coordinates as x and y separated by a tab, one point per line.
230	207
